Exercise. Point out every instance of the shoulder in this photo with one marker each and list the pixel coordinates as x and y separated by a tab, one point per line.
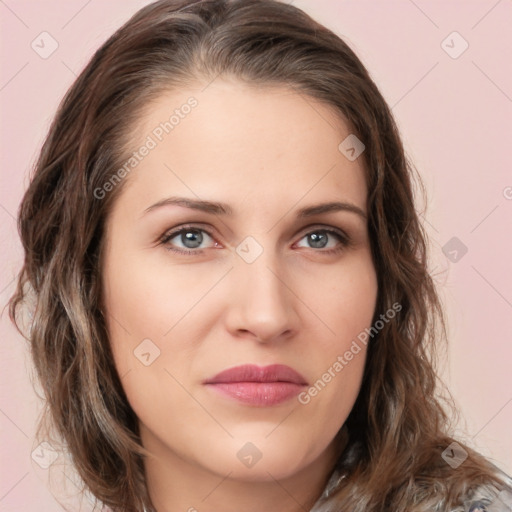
489	497
482	497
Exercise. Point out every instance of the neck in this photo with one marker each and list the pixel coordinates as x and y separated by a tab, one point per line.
175	484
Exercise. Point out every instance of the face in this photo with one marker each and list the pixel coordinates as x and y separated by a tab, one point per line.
258	278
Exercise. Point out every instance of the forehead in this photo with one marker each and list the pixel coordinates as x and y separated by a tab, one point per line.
235	142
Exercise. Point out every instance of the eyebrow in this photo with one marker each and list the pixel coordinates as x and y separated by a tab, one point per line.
224	209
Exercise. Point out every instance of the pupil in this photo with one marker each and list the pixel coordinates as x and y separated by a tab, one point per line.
318	241
193	236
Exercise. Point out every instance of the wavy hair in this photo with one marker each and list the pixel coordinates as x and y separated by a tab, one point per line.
398	427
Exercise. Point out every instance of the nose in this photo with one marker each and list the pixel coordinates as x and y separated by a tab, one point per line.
261	304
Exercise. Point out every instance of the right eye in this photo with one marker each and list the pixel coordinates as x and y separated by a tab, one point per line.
191	237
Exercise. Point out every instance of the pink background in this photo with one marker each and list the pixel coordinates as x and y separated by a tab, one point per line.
455	117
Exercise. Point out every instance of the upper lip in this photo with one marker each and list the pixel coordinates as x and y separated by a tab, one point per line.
254	373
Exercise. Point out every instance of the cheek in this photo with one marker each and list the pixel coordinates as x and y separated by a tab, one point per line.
148	298
346	309
346	302
153	310
144	312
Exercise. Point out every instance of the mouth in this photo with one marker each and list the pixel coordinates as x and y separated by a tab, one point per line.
258	386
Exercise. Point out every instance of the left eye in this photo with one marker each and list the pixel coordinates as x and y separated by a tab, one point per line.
319	238
192	238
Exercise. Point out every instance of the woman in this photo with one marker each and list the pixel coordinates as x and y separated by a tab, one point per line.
233	303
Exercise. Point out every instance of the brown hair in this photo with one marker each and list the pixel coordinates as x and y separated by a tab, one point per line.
397	428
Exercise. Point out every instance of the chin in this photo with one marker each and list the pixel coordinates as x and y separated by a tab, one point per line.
268	471
260	461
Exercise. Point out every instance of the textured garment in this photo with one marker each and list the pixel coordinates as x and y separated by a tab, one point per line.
486	498
483	499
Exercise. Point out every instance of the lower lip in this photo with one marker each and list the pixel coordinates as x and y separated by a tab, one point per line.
258	393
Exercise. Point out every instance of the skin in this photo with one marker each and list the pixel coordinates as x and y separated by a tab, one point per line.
266	152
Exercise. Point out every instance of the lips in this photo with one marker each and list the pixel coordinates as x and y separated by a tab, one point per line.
258	386
253	373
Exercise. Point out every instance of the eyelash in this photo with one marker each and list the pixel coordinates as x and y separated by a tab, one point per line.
342	237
